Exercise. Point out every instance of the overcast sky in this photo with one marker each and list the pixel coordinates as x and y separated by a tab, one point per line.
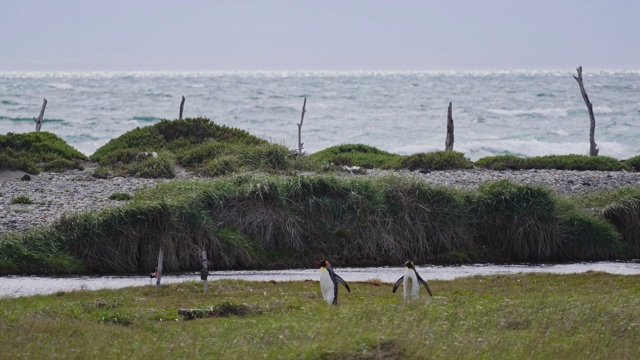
319	35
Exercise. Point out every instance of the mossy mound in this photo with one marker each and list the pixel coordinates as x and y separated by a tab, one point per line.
38	151
438	160
361	155
198	144
557	162
633	163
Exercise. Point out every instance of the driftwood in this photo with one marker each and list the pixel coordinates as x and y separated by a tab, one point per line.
304	110
181	107
39	119
160	257
448	144
593	150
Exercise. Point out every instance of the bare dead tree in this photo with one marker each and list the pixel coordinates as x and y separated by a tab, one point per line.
448	144
300	143
593	150
39	119
181	107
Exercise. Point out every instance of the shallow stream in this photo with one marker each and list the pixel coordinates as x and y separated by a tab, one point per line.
14	286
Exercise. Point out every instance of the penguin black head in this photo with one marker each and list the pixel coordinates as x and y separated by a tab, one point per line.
323	263
409	264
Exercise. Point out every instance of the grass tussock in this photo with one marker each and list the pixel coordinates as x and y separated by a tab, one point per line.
590	315
38	151
251	221
120	196
22	199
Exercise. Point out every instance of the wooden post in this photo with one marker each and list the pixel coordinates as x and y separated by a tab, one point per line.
204	273
39	119
593	149
304	110
448	144
181	107
160	257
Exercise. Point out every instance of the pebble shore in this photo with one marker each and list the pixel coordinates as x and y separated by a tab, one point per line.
53	194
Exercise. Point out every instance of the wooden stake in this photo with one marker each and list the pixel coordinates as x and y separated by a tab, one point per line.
204	273
160	257
39	119
304	110
181	107
448	144
593	149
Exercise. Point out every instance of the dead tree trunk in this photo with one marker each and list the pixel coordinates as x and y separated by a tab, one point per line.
593	150
39	119
448	144
181	107
304	110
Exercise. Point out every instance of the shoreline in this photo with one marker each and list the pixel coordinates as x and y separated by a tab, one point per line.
54	194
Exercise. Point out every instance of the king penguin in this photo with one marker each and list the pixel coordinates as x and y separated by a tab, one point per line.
411	281
329	283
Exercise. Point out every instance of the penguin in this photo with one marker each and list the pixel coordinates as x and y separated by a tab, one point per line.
329	283
411	281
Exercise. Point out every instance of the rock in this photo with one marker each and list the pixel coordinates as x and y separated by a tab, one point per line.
25	177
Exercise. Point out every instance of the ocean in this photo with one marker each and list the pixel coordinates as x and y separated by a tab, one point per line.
525	113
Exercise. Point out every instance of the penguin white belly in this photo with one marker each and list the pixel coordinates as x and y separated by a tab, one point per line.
326	285
411	285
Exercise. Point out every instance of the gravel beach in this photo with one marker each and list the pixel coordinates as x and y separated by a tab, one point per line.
53	194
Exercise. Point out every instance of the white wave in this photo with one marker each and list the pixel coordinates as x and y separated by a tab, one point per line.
560	132
556	112
61	86
602	110
529	148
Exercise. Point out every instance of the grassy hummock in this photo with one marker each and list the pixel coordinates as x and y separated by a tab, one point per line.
520	316
197	144
38	151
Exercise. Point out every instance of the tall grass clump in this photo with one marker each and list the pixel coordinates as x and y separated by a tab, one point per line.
625	216
526	222
356	155
438	160
266	221
516	221
38	151
39	251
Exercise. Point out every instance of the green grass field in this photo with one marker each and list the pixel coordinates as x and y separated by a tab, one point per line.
538	316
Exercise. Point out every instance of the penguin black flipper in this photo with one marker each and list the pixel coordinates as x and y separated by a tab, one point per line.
398	283
341	281
420	280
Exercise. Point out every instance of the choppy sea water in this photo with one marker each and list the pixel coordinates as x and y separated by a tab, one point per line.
14	286
527	113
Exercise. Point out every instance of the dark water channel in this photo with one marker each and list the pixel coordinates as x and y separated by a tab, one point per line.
14	286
